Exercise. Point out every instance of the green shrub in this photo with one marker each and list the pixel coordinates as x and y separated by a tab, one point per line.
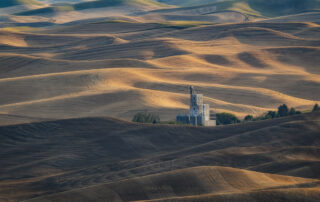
144	117
248	118
226	118
271	115
316	108
293	111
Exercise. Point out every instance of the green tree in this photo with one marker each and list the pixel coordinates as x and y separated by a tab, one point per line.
226	118
283	110
316	108
292	111
144	117
248	118
271	115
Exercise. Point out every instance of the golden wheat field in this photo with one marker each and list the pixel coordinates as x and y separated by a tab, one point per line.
124	64
68	66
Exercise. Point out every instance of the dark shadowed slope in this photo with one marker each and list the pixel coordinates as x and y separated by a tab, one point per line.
57	156
198	183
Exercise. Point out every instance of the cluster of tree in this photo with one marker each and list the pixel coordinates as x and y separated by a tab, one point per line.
283	110
226	118
145	117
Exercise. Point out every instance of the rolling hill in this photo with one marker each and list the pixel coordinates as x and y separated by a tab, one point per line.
8	3
141	4
119	67
187	2
252	8
94	159
285	7
66	65
107	3
204	183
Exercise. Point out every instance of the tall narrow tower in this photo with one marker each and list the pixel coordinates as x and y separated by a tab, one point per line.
191	90
196	102
199	112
